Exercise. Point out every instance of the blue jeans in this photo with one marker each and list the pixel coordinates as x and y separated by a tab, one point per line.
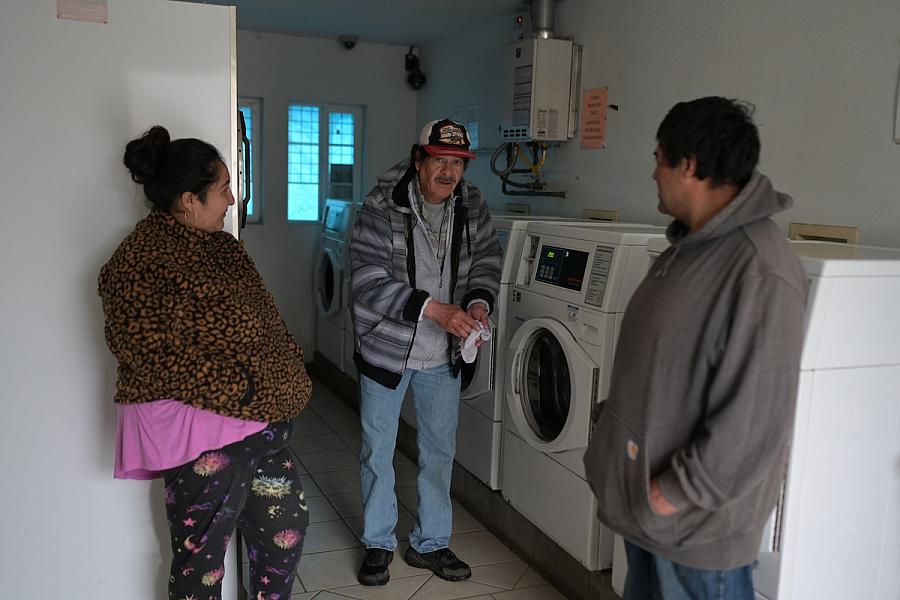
651	577
436	399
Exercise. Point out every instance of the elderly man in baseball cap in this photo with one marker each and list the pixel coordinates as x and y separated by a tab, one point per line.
425	266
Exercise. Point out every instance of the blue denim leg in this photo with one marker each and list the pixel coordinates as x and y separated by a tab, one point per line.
379	412
436	398
656	578
641	582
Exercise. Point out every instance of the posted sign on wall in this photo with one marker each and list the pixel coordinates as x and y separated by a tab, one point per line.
593	118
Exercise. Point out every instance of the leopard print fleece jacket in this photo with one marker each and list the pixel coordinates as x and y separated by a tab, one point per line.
188	317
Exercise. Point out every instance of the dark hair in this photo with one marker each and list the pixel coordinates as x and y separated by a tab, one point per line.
418	153
718	132
167	168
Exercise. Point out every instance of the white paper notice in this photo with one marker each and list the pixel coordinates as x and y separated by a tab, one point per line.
95	11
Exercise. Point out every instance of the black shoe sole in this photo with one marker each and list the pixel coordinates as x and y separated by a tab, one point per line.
372	583
427	566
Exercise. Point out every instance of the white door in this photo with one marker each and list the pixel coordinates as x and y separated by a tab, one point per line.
552	386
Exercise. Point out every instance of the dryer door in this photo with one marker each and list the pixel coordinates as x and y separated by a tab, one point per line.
327	284
552	386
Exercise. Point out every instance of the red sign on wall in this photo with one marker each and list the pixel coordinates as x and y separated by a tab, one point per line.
593	118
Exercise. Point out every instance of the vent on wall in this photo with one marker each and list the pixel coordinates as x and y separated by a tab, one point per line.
596	214
519	208
823	233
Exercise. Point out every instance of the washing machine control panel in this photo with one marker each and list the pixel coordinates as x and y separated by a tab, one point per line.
562	267
596	288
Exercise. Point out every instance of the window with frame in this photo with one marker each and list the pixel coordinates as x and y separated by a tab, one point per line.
251	108
324	152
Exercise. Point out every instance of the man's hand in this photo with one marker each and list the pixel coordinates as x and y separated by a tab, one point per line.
451	318
658	502
479	313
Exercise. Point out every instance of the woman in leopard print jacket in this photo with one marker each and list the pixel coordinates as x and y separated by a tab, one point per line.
209	377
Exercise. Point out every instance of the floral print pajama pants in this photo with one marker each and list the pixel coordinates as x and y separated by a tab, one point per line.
252	484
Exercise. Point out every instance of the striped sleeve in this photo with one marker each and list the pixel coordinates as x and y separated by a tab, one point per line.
371	254
484	274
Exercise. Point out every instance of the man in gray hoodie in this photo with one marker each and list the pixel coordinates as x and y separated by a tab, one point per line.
425	265
687	455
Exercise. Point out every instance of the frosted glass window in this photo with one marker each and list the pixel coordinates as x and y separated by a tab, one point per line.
303	163
323	144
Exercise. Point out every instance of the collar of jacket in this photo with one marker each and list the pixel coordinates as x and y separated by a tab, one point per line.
166	223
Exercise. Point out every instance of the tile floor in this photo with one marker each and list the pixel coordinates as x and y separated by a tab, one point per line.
327	439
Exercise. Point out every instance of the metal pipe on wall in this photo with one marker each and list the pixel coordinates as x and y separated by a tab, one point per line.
543	18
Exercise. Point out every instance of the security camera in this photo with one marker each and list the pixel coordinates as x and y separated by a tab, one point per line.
348	41
415	78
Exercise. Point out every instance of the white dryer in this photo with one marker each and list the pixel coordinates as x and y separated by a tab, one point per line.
836	531
330	272
572	285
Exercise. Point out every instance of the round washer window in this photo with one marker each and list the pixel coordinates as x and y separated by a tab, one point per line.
326	283
548	388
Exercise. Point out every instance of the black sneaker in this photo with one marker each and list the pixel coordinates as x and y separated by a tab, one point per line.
442	563
374	567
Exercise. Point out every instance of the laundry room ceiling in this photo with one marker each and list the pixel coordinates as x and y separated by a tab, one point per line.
402	22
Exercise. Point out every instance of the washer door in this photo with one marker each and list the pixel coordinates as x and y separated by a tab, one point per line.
553	384
478	377
327	285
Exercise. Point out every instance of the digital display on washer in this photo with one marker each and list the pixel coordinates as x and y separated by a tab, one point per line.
562	267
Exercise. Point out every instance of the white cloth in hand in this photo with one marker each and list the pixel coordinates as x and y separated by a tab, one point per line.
469	350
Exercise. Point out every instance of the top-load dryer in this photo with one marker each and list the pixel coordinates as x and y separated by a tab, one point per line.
571	287
331	274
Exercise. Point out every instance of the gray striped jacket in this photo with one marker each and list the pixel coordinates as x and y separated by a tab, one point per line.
384	300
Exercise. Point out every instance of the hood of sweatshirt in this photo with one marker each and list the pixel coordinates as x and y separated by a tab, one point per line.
756	200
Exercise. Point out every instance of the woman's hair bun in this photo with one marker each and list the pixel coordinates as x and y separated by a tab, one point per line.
142	156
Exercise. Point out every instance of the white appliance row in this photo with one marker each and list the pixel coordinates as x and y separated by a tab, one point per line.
331	286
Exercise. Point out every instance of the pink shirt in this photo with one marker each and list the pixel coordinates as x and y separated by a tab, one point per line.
159	435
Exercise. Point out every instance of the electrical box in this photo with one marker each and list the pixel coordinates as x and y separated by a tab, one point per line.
540	81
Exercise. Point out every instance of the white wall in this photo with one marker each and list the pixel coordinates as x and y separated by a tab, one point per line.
72	95
823	76
281	69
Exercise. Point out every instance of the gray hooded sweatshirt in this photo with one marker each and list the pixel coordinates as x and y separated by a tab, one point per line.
703	389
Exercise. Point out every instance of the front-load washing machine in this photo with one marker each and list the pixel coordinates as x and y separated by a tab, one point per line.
480	432
571	287
331	269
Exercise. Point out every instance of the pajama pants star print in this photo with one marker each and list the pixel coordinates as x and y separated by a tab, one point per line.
252	484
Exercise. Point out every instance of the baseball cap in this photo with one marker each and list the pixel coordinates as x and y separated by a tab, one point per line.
444	137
